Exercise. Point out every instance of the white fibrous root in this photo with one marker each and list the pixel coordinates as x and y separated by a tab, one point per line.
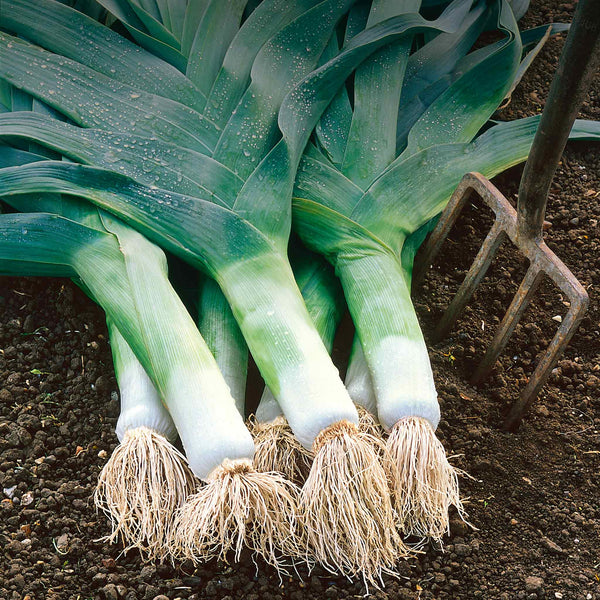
139	489
237	508
424	484
368	423
348	514
278	449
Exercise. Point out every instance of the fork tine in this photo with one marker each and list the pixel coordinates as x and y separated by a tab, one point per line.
512	316
490	246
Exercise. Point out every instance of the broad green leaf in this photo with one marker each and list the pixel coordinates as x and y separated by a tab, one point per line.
153	25
172	15
411	110
25	247
269	17
12	157
147	160
123	12
459	113
285	59
330	233
90	8
519	7
193	15
220	22
357	19
65	31
204	234
331	132
371	144
94	100
439	57
149	6
531	37
417	189
6	94
315	180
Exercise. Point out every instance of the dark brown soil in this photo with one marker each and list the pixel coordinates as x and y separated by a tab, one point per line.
534	497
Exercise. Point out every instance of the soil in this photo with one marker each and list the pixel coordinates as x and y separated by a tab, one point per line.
534	496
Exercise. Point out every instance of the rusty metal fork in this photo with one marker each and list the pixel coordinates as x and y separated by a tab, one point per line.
578	62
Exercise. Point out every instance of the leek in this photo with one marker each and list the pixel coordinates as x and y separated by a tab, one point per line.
277	449
146	478
242	242
363	232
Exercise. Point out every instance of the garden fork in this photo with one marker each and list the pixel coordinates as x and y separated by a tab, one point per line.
524	226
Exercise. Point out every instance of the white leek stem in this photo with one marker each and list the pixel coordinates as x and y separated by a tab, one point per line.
141	405
358	379
393	344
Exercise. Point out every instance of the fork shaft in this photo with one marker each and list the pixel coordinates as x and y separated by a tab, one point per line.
576	68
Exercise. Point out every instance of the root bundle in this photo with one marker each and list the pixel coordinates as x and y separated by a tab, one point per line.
139	489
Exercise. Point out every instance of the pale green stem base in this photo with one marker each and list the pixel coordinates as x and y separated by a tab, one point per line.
286	346
393	344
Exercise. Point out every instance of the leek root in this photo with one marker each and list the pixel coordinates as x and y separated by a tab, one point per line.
347	508
368	423
277	449
423	482
145	480
239	507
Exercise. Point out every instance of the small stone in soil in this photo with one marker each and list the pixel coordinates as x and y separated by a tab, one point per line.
533	584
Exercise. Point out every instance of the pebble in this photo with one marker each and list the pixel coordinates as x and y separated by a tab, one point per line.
62	542
110	592
533	583
27	498
552	546
161	597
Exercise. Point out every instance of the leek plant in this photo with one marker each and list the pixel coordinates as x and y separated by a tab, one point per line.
234	225
146	478
374	178
277	449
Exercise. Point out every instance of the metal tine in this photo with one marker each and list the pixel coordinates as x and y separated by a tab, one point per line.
505	217
473	278
438	236
542	372
513	315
